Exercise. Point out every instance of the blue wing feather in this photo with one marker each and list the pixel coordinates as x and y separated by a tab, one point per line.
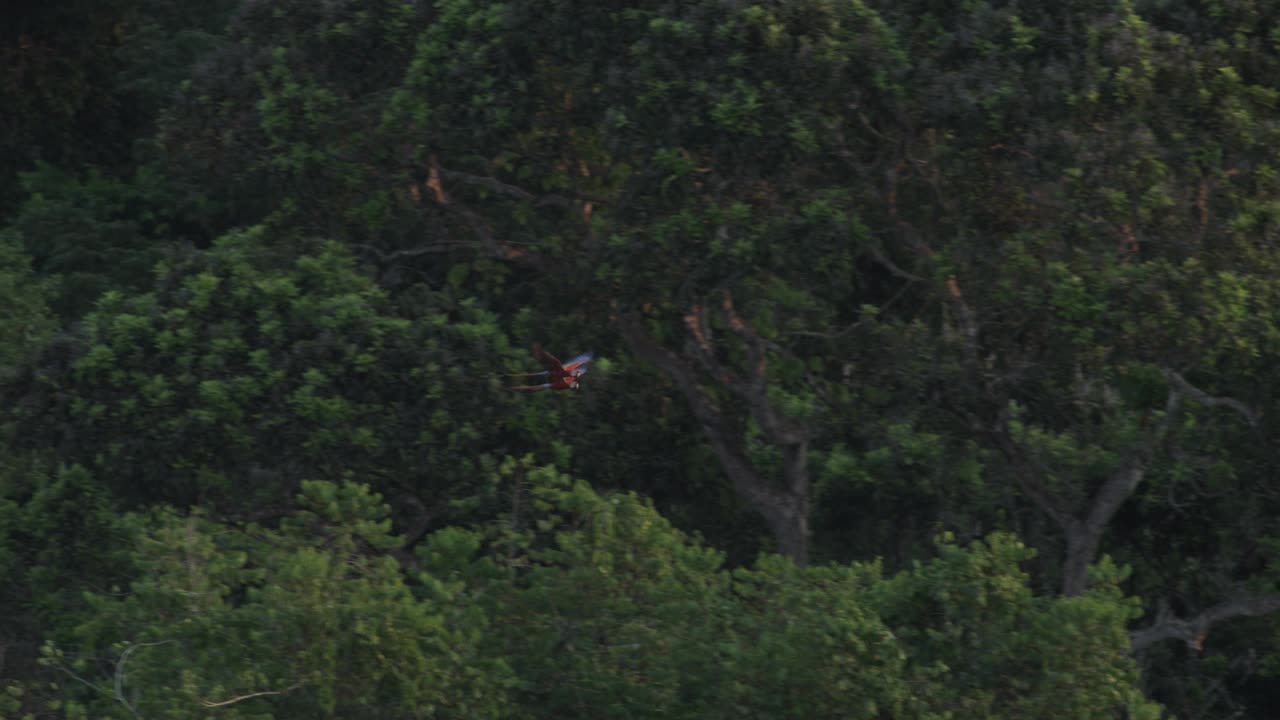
582	359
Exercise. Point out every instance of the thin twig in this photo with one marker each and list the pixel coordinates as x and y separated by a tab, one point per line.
250	696
119	679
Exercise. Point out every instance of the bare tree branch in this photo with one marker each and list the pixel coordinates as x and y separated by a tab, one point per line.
498	248
754	390
423	518
250	696
119	675
892	267
785	509
72	674
519	193
1084	536
1084	532
968	323
1122	483
1204	398
1194	631
695	321
1030	470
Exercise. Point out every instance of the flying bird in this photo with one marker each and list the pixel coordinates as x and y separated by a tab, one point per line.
560	376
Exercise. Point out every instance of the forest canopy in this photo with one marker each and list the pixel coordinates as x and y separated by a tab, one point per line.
935	359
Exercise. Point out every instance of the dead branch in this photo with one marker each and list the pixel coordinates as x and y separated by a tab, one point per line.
250	696
883	260
433	182
119	675
498	248
1204	398
1194	631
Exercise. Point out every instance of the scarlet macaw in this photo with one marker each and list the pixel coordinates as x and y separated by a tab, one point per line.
561	376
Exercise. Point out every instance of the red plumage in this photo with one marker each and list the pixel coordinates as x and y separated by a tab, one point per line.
560	376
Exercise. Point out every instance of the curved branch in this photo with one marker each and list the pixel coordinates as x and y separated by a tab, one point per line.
1084	536
754	391
785	508
119	676
1194	631
1204	398
250	696
1084	531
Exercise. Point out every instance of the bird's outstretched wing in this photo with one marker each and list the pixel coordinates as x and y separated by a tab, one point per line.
548	360
579	362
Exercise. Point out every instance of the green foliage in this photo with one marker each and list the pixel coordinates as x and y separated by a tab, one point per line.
61	534
577	604
93	233
56	83
972	240
600	606
27	321
244	373
988	648
83	82
69	534
308	620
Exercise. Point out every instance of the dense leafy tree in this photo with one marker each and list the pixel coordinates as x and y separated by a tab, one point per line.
246	372
27	321
61	534
56	83
82	81
592	604
308	620
91	200
598	604
92	234
859	272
